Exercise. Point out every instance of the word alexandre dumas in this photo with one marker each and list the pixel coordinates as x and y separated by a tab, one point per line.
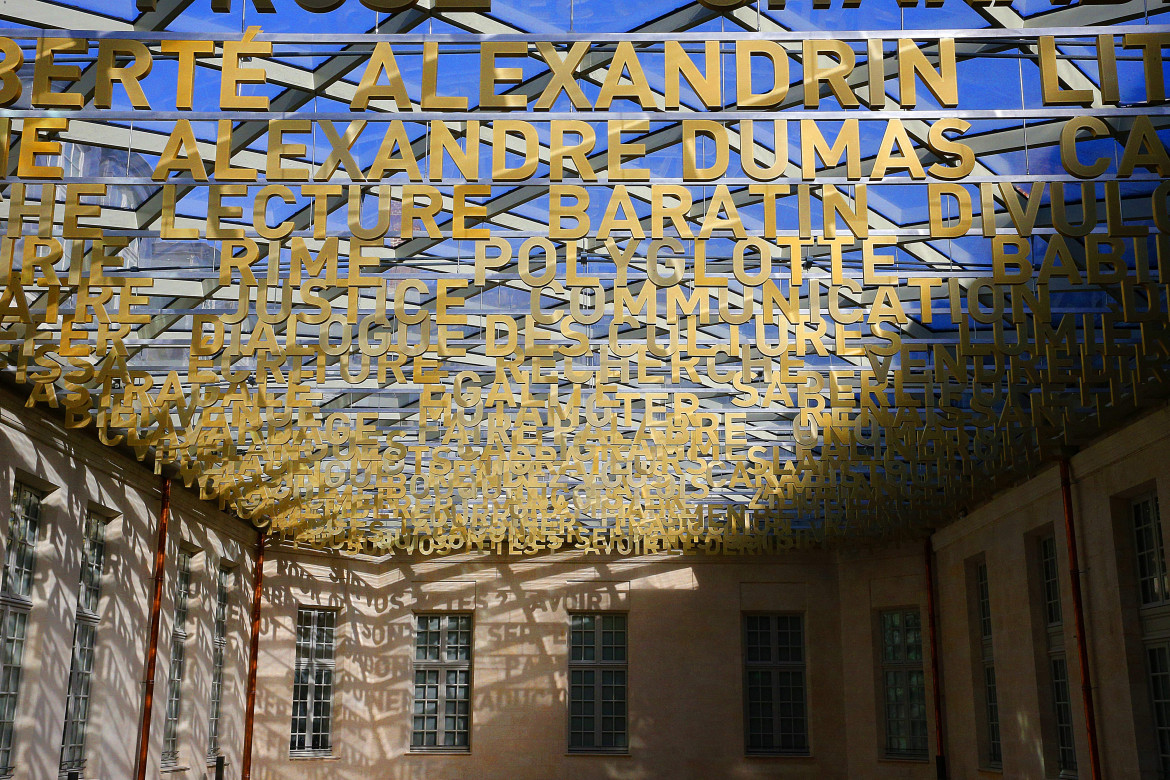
617	295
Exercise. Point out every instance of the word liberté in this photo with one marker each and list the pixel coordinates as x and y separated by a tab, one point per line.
390	6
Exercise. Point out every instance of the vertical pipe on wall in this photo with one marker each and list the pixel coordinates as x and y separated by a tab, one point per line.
940	757
160	560
1074	568
253	653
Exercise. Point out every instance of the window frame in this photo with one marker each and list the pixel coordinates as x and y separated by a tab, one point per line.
78	694
308	658
442	666
176	670
15	606
1153	620
1158	690
1052	669
903	663
1159	580
776	667
599	666
984	680
1062	710
225	575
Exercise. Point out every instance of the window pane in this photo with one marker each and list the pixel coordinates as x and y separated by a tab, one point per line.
1158	659
15	626
170	755
312	711
1151	556
994	752
984	597
598	694
774	684
93	554
1066	746
1050	577
84	635
22	540
218	649
441	710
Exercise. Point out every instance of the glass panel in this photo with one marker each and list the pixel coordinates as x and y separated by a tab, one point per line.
312	711
984	596
994	751
170	755
441	711
1158	659
77	698
613	638
1066	746
761	725
1050	576
789	639
218	648
776	717
84	634
22	540
15	625
93	554
582	639
1151	555
598	695
582	708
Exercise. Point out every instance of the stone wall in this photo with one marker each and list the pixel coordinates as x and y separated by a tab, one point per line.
79	475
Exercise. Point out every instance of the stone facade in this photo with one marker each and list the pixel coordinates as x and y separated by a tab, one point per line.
79	475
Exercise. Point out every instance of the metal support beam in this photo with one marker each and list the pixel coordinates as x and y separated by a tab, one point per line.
253	653
160	560
1074	570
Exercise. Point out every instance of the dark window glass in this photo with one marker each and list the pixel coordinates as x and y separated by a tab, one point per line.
905	684
441	718
774	684
598	682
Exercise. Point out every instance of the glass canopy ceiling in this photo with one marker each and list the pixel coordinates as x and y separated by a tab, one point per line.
565	275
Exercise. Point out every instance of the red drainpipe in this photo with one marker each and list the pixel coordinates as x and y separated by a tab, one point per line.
160	560
940	757
1074	569
253	653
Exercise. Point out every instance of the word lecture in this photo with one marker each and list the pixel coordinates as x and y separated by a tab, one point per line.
725	296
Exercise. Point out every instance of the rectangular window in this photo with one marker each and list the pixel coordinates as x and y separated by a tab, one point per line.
20	554
84	633
218	648
19	565
1057	728
984	596
312	705
984	671
1158	658
1154	598
1062	703
905	684
598	683
1151	555
774	681
442	683
994	746
1050	579
170	754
